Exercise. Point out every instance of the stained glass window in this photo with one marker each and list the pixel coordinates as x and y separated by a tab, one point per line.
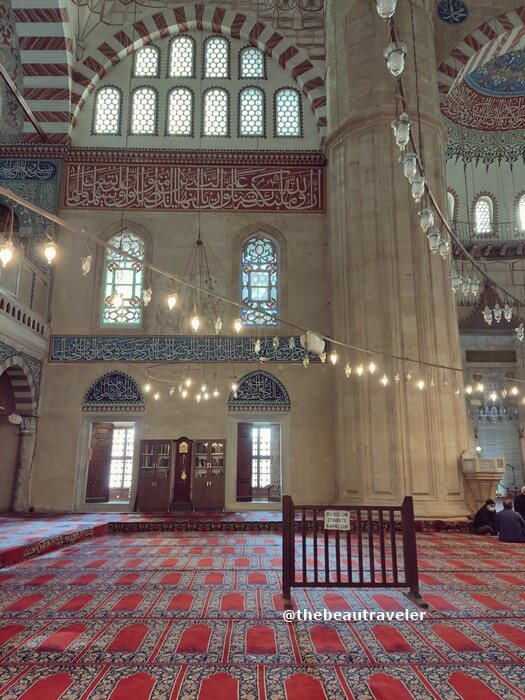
521	213
180	112
251	112
146	62
182	62
259	282
126	277
107	111
287	112
483	215
251	63
144	111
216	113
216	58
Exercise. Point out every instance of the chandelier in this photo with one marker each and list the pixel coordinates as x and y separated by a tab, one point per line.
188	382
492	400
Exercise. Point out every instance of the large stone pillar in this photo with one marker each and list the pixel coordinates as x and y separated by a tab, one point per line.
389	293
26	451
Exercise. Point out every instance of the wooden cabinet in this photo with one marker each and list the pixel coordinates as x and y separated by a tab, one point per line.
156	464
208	474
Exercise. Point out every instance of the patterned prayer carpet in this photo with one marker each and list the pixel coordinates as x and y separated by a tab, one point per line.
198	616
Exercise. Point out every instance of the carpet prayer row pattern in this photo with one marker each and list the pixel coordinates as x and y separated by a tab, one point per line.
198	616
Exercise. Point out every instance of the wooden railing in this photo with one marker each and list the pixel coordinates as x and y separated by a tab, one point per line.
368	555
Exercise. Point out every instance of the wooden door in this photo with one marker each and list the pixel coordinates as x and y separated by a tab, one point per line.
244	461
97	488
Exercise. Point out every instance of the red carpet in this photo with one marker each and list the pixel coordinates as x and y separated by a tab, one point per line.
197	616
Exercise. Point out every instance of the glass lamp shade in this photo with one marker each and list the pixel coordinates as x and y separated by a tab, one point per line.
184	393
348	369
237	325
147	387
455	280
418	187
359	370
172	300
514	391
498	313
487	315
468	389
474	286
426	218
86	264
409	163
275	342
333	357
395	57
372	367
421	385
156	396
257	346
520	332
444	249
218	325
146	296
434	240
6	253
507	312
195	322
384	380
386	8
401	129
50	251
465	286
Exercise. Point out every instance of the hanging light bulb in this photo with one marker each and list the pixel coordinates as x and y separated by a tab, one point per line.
86	264
360	370
334	357
204	388
465	286
456	391
480	386
147	387
514	391
372	367
306	360
468	389
6	253
397	377
180	388
172	391
384	380
493	396
444	249
257	346
206	396
386	8
520	332
445	381
474	286
237	325
418	187
172	299
198	398
420	385
426	218
275	342
348	369
115	300
433	383
50	251
455	280
156	396
507	311
187	381
291	343
434	240
408	375
409	163
235	386
215	392
218	325
498	312
401	129
503	393
146	296
184	393
195	322
395	57
322	357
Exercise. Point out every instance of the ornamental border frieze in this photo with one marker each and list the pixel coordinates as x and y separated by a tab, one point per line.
68	348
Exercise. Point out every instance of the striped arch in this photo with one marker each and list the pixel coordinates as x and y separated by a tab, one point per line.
22	384
229	23
493	38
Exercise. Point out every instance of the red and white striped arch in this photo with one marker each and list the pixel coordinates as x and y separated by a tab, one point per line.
493	38
46	52
174	21
21	383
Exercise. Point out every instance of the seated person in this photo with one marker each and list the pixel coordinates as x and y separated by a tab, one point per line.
510	524
519	503
485	519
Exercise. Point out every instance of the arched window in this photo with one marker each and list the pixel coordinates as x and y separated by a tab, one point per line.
146	62
216	113
484	215
287	112
251	112
216	58
451	206
124	277
521	213
182	57
259	281
251	63
144	111
107	111
180	112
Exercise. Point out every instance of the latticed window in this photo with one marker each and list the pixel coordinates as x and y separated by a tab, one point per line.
521	213
144	111
251	63
182	61
107	111
180	112
123	281
146	62
259	282
216	58
483	215
287	112
216	112
251	112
